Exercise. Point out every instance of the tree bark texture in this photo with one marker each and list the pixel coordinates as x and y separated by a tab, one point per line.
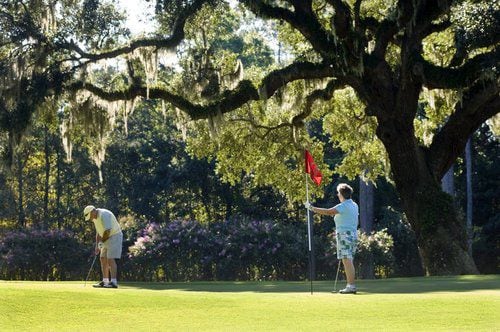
468	165
366	192
21	217
47	179
448	182
440	234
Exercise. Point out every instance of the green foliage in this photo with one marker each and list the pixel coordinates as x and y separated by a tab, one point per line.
439	206
294	43
378	9
485	248
268	157
476	22
405	256
7	203
99	24
354	133
255	52
379	246
169	10
435	106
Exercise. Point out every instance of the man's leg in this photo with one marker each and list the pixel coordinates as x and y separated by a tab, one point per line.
104	271
112	268
349	270
104	267
114	251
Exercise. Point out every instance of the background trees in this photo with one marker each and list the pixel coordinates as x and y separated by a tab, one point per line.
367	70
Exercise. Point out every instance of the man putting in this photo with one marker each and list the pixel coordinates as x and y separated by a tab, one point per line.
109	240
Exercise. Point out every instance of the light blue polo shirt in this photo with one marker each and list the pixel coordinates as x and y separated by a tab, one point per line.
347	218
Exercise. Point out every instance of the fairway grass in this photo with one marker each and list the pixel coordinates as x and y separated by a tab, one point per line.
463	303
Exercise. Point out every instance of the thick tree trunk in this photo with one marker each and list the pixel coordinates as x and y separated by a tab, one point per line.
59	187
47	178
468	166
448	182
366	206
21	217
440	233
441	236
366	222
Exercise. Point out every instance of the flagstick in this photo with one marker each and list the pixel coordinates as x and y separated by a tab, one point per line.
309	236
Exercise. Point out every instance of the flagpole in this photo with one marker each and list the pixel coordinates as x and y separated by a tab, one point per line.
309	235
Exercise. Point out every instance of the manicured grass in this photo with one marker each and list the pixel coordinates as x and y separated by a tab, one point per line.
464	303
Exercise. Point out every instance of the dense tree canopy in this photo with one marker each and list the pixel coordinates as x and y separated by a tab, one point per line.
368	68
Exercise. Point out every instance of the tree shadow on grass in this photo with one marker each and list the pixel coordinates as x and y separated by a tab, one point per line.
431	284
365	287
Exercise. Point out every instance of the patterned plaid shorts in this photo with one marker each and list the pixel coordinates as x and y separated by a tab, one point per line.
346	244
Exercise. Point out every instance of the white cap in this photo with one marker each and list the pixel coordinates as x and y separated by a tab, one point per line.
87	210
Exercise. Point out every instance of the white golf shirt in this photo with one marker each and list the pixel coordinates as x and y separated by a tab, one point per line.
106	220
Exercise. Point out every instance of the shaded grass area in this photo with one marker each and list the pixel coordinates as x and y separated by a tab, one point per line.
384	286
464	303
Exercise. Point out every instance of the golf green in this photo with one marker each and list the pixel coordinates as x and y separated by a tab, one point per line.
463	303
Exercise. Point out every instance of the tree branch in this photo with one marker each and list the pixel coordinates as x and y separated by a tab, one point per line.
385	33
428	12
229	99
303	20
324	94
267	129
170	42
480	103
299	70
415	17
438	27
342	19
435	77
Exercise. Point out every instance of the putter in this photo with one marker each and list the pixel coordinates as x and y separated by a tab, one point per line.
91	267
336	277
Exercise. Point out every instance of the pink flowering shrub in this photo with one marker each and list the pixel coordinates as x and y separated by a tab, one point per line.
229	250
33	254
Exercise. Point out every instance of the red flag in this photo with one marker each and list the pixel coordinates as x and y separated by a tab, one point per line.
312	169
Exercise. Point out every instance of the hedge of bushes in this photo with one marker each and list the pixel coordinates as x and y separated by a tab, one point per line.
242	250
33	254
231	250
186	250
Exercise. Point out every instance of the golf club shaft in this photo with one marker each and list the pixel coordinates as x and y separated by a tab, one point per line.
91	267
336	277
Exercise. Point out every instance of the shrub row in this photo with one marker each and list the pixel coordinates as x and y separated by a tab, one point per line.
242	250
188	250
33	254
